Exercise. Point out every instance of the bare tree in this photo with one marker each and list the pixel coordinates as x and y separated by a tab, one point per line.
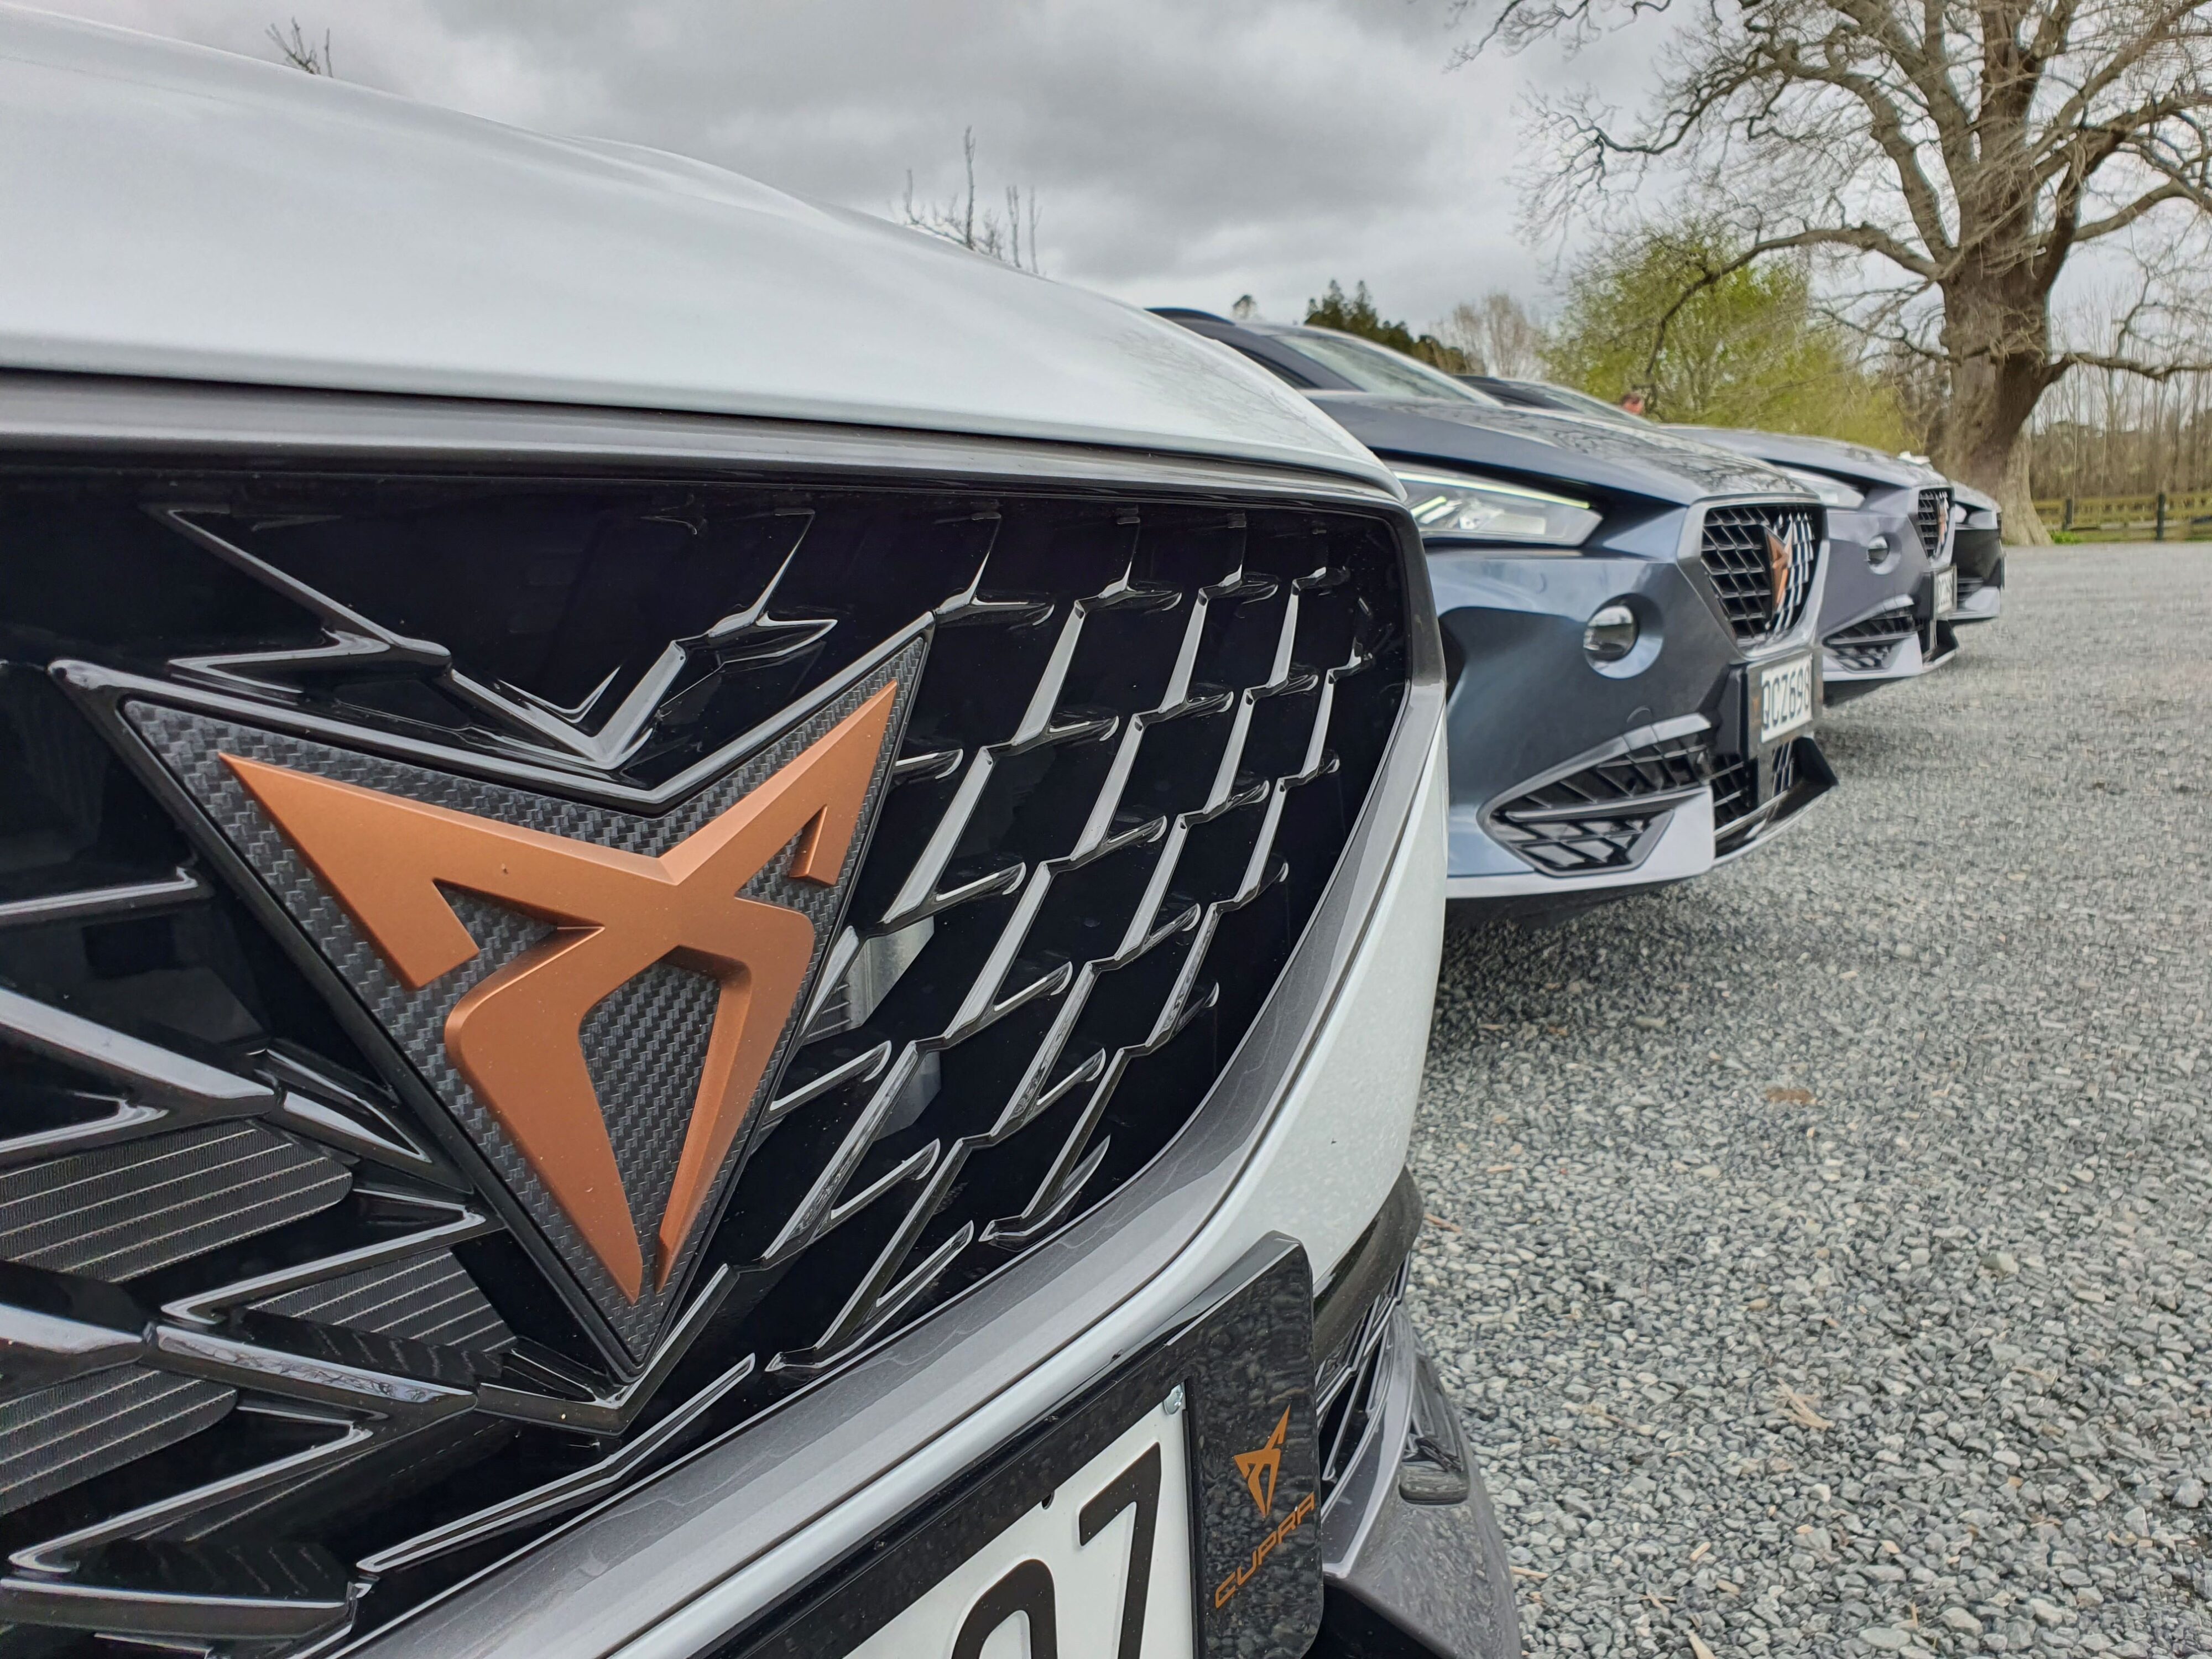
1963	152
301	52
1498	335
1012	240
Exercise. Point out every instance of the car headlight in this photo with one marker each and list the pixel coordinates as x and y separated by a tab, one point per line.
1834	491
1451	506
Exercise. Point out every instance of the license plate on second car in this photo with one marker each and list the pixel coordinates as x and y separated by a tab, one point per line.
1946	592
1784	698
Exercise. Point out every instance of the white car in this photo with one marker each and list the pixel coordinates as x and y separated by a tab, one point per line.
716	925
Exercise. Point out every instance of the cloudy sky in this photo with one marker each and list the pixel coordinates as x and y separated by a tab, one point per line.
1182	151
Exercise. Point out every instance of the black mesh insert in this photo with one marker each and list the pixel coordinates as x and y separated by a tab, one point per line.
1144	727
1602	817
1868	645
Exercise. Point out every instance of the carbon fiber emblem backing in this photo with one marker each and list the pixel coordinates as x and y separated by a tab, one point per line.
645	1044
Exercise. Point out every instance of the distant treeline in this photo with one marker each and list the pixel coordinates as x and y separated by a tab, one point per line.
2100	434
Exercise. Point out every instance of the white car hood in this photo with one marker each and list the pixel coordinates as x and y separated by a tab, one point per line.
182	213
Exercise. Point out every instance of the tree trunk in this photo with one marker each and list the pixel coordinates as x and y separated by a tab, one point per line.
2023	525
1991	398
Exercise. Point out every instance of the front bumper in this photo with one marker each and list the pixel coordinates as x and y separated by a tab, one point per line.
1800	774
1981	579
1877	623
1311	1151
1414	1564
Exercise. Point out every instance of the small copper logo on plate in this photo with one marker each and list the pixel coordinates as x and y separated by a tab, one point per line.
1261	1468
516	1037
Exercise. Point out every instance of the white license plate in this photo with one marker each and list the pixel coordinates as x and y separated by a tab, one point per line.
1785	698
1065	1575
1946	592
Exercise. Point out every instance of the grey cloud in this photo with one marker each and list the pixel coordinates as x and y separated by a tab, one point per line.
1182	153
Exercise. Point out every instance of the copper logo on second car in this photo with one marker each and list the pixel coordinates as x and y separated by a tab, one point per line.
1777	568
516	1037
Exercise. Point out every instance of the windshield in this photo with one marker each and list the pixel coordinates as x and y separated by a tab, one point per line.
1581	403
1372	368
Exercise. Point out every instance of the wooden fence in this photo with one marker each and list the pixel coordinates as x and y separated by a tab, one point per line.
2165	516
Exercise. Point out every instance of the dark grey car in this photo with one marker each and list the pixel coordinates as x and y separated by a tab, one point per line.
1892	591
1617	590
1887	602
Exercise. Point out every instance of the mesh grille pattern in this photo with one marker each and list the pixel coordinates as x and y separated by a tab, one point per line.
1931	517
1139	737
1590	820
1869	645
1737	549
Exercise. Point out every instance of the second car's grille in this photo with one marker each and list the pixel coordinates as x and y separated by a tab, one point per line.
318	1349
1604	816
1931	517
1868	645
1761	559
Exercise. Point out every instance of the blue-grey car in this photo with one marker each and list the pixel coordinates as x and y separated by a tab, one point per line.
1889	593
1892	589
1629	622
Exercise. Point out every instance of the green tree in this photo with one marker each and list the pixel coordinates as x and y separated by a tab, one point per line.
1674	314
1355	313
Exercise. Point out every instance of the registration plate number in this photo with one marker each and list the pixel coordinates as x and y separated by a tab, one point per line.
1785	698
1946	592
1101	1569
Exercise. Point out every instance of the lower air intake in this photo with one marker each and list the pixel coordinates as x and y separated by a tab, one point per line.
1606	817
1865	646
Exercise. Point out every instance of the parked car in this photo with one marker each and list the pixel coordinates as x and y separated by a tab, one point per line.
1978	543
1629	618
1892	592
1888	597
638	823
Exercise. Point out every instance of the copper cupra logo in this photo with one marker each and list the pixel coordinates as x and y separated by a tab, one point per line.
516	1037
1261	1468
1777	568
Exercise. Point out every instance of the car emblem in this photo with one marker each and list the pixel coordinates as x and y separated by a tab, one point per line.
1777	568
599	997
1260	1469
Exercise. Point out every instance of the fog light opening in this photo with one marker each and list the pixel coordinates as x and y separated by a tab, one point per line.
1611	634
1877	549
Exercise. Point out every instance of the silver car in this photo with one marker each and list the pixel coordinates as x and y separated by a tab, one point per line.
716	925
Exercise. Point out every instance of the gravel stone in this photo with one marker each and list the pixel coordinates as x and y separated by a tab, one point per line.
1810	1296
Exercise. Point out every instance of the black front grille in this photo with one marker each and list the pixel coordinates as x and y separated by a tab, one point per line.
1604	816
1868	645
1762	596
1931	517
1142	730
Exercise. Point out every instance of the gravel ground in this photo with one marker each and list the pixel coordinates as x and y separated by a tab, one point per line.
1820	1249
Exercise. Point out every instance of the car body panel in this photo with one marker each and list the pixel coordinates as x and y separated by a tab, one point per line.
315	233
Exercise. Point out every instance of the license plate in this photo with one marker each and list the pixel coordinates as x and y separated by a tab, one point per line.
1946	592
1785	698
1100	1569
1169	1512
